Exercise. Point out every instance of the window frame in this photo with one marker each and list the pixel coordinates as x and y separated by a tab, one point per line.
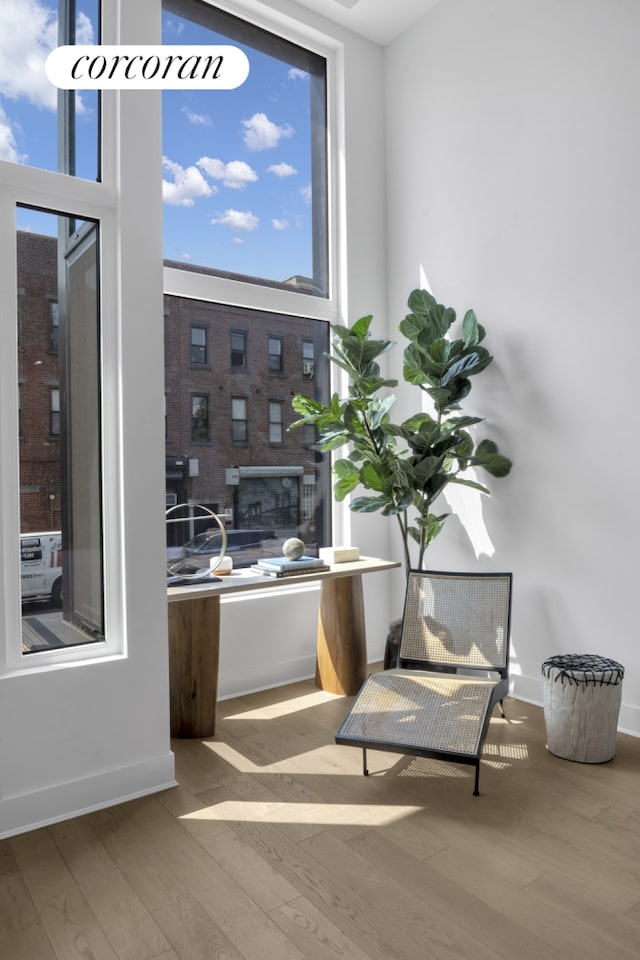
276	422
237	420
275	299
276	367
203	347
245	341
54	408
202	398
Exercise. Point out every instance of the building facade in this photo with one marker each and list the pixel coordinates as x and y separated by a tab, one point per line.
230	375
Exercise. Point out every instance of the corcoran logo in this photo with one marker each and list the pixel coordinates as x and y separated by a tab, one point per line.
147	67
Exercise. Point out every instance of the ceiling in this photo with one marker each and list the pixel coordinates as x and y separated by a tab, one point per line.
379	20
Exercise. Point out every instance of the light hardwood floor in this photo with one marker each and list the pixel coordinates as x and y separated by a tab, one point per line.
275	847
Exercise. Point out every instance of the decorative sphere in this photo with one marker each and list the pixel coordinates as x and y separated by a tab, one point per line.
293	548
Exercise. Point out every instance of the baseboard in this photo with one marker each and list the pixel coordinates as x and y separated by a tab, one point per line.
239	682
72	799
530	690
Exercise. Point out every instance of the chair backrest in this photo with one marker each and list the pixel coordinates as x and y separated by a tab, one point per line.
457	621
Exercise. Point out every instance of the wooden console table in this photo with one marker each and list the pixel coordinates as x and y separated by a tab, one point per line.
194	637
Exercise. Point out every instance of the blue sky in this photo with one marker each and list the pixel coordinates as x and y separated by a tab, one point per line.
236	163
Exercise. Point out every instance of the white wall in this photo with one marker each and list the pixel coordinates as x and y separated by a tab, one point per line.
513	151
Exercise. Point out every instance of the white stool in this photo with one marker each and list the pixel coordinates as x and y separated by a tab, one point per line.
582	696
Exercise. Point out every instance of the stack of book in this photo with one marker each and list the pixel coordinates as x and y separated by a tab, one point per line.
284	567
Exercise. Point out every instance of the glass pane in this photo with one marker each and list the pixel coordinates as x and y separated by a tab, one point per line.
60	433
263	480
245	170
38	126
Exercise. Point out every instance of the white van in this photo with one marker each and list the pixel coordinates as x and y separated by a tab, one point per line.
41	566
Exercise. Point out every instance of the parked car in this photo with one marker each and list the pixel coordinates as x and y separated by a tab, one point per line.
243	546
41	566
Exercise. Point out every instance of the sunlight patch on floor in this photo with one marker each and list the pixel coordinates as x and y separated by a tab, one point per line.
282	765
270	711
329	814
437	769
511	751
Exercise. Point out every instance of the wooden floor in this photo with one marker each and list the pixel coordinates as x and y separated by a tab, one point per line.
275	847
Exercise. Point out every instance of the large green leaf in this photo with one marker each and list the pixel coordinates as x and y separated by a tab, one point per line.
368	504
468	364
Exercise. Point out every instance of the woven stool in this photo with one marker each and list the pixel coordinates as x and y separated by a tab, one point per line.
582	696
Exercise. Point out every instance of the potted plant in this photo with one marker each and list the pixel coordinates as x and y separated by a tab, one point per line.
406	466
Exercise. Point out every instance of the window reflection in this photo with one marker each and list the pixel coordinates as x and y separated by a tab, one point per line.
60	447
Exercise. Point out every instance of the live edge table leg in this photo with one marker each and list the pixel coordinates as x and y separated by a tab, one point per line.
341	655
194	647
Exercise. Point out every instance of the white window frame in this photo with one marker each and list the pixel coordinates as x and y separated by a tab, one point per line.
200	286
103	202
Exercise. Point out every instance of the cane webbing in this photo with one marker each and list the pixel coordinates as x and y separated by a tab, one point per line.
423	712
457	620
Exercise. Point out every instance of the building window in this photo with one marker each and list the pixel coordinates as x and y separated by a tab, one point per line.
308	435
308	359
275	354
198	345
54	412
238	349
263	192
54	326
276	421
199	417
239	432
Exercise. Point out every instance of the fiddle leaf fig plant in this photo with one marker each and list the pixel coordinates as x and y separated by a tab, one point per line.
404	467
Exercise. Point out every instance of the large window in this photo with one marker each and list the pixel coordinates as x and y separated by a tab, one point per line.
245	170
246	252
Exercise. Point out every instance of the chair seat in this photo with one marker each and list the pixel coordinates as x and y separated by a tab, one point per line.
417	710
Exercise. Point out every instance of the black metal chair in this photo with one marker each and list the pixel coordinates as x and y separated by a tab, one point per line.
453	669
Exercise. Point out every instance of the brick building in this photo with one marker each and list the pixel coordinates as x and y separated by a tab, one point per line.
38	383
230	374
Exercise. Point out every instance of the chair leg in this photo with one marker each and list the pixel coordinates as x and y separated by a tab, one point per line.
504	716
476	791
364	762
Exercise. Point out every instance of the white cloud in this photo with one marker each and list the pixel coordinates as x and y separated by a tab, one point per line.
197	119
262	133
237	220
28	33
282	169
280	224
296	74
305	193
8	147
236	174
84	29
188	184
